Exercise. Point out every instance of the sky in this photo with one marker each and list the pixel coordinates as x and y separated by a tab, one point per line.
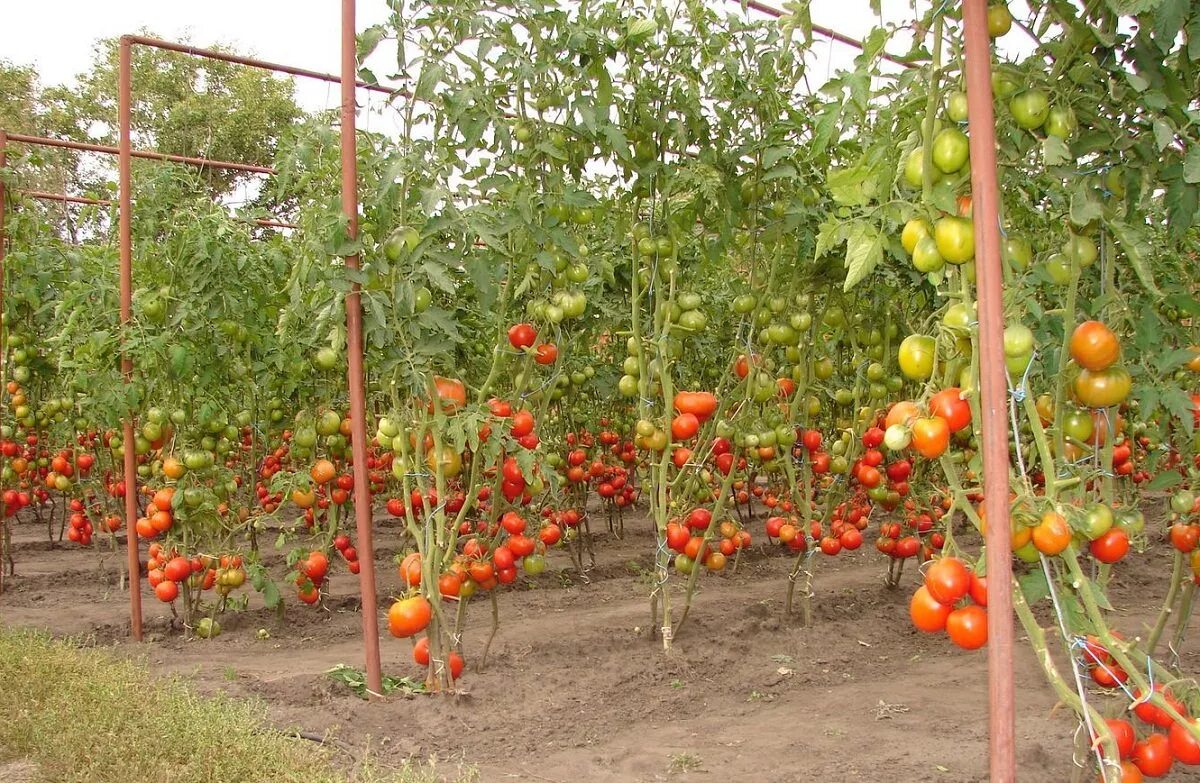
296	32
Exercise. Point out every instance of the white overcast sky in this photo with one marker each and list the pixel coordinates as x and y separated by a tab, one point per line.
56	36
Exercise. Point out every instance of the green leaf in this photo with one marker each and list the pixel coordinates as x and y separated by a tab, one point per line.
1137	249
1132	7
1168	22
1164	136
367	41
431	75
1056	152
270	594
1034	586
1085	207
1164	480
864	251
1191	165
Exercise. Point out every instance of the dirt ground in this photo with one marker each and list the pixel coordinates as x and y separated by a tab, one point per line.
576	690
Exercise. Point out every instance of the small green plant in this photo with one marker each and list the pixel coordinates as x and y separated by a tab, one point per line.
682	763
356	680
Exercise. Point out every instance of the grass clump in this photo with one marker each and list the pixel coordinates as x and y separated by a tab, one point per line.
82	715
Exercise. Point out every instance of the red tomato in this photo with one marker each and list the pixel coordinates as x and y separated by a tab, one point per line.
948	580
1153	756
967	627
927	613
949	405
521	335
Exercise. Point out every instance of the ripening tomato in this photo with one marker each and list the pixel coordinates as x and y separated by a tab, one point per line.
955	238
1094	346
1052	534
967	627
409	616
1103	388
451	393
547	353
930	436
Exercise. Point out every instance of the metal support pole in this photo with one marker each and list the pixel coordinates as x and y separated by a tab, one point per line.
125	235
43	141
354	350
993	391
3	239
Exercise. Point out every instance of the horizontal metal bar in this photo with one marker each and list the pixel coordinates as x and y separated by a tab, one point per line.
827	32
197	51
43	141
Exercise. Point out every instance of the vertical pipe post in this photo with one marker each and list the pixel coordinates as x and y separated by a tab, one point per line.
3	206
993	390
125	235
354	349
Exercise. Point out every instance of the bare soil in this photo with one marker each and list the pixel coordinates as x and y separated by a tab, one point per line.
577	689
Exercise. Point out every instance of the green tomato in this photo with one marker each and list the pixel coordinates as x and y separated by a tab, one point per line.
1097	520
951	150
1182	501
1018	340
1059	269
916	356
1061	122
926	257
1030	109
999	20
956	106
914	169
1017	252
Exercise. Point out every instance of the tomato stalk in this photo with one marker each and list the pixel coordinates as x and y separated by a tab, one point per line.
1116	648
1037	639
1168	606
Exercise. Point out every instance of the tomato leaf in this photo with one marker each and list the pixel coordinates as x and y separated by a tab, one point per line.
1164	136
1034	586
1191	165
1085	207
367	41
1131	7
1137	249
1056	151
1164	480
864	251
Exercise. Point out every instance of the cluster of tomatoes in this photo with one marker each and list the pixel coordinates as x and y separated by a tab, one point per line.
311	570
80	528
687	538
1164	740
159	517
167	570
953	599
1184	532
523	336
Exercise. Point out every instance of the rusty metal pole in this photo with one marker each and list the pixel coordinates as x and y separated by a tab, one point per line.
993	391
3	207
125	237
354	349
